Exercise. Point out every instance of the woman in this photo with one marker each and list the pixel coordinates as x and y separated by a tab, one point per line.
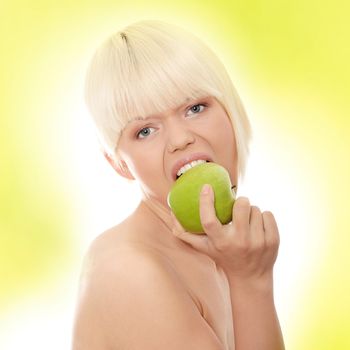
160	99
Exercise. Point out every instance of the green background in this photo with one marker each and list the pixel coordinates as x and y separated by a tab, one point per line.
289	60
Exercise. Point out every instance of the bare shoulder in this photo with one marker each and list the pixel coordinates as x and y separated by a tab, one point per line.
130	298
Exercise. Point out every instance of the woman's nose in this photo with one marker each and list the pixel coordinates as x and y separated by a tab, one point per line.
179	137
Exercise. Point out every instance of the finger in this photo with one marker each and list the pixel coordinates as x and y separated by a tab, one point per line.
256	227
241	214
210	223
198	242
272	238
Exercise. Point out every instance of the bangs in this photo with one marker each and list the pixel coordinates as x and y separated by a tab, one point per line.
160	88
138	76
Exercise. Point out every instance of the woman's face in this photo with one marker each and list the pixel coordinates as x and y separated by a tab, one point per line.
155	148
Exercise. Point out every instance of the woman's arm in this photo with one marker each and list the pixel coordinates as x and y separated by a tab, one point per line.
255	320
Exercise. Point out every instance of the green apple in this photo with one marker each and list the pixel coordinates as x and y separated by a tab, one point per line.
183	197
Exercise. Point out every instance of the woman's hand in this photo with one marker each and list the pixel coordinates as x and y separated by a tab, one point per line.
246	248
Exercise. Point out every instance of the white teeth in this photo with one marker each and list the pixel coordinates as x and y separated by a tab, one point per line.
189	166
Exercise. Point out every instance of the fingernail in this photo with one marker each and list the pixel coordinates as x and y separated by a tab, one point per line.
205	189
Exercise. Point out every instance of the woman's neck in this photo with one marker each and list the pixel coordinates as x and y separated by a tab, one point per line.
157	222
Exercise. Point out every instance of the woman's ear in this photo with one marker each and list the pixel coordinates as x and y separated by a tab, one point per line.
119	166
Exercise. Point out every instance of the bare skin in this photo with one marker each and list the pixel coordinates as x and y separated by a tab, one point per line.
147	284
201	283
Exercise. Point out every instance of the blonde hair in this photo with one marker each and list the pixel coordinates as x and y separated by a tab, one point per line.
151	66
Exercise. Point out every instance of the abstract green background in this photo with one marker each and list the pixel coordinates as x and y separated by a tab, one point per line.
288	57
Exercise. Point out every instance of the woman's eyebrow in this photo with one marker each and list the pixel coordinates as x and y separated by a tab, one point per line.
187	101
154	116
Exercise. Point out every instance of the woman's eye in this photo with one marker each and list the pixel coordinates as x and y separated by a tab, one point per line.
144	132
197	108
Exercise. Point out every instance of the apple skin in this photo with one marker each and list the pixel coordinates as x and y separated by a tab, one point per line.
183	198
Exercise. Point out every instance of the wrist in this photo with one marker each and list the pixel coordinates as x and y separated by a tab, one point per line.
251	284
